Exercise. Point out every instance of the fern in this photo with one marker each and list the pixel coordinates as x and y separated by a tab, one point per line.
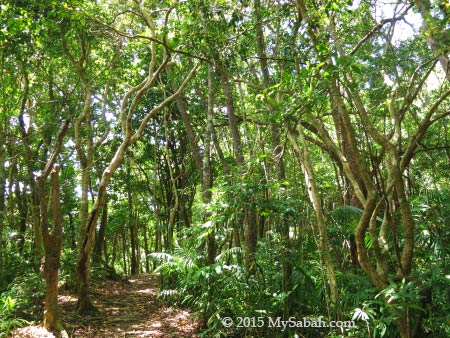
8	320
229	253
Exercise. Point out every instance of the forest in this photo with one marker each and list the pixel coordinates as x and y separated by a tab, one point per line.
219	168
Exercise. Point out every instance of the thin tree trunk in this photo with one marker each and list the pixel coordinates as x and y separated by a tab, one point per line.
85	151
23	214
114	249
250	226
124	251
11	209
72	232
2	198
52	246
52	239
190	133
83	266
100	237
432	35
277	152
146	247
138	249
35	212
206	168
173	186
233	122
314	196
131	224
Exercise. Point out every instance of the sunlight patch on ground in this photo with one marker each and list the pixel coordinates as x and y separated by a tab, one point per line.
32	332
180	315
149	291
66	298
140	333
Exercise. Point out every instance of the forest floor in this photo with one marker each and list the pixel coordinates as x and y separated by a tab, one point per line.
126	310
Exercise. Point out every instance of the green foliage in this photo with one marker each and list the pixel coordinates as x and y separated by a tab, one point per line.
346	216
18	265
356	290
382	311
51	50
214	290
431	210
22	302
67	270
8	320
224	289
28	290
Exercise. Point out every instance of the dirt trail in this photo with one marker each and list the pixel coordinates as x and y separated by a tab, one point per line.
126	310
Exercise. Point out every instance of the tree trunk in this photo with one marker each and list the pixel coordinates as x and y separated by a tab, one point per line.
86	240
138	249
23	212
206	166
131	224
203	163
35	212
173	192
72	233
439	48
314	196
52	240
52	246
85	151
146	248
114	249
124	251
250	224
277	152
134	266
100	238
190	133
2	198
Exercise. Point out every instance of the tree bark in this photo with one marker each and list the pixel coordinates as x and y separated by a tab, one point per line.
250	225
35	212
432	35
100	237
124	251
172	191
2	196
314	196
52	246
83	264
206	166
146	247
23	214
131	223
190	133
277	152
72	232
52	239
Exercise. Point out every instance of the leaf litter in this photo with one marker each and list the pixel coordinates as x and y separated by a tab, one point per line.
126	309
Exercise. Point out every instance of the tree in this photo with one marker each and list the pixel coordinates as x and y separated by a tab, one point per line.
388	194
129	136
52	239
274	157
